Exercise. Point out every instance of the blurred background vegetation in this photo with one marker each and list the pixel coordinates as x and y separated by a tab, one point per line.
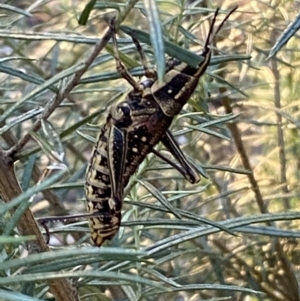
233	236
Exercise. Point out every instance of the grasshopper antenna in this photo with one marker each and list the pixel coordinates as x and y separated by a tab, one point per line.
211	36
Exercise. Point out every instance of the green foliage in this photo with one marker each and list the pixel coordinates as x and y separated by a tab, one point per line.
233	236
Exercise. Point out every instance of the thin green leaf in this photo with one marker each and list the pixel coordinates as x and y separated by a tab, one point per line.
221	59
28	170
156	36
230	223
161	277
193	287
33	190
51	36
86	12
171	49
46	147
268	231
41	89
14	58
25	76
222	80
186	214
208	131
285	36
117	276
127	60
160	197
105	76
6	295
130	293
21	118
53	140
86	252
226	168
15	10
12	240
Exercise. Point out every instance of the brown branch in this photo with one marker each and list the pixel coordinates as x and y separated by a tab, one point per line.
62	289
280	135
57	99
243	154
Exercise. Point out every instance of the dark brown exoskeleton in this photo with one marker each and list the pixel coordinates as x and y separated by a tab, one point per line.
132	129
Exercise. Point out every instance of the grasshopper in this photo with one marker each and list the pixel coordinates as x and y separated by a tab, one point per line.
132	129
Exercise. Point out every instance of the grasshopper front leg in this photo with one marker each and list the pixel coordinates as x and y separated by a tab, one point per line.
185	167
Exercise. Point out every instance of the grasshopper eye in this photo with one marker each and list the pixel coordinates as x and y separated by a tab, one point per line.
122	115
126	110
147	83
123	110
